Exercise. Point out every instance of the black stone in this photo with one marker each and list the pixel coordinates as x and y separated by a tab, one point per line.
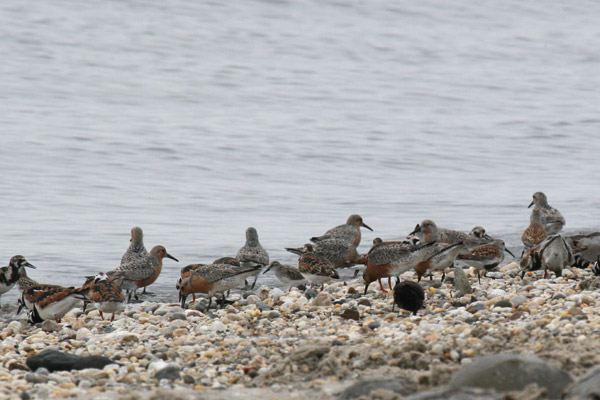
351	313
311	293
409	296
171	373
374	325
54	360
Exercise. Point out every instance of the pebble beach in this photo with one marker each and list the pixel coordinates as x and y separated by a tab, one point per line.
316	345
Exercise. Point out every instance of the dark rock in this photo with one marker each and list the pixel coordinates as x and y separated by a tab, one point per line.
461	282
471	320
503	303
586	387
337	343
457	394
351	290
311	293
364	302
108	329
273	314
374	325
171	373
350	313
516	315
262	306
54	360
17	366
25	396
364	387
505	372
188	379
474	307
301	287
558	296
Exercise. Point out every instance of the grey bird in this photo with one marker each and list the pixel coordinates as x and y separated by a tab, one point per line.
252	254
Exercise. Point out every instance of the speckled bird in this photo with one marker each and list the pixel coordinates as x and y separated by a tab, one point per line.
550	217
286	274
50	301
136	250
252	254
337	251
143	272
106	294
535	233
315	268
485	257
349	232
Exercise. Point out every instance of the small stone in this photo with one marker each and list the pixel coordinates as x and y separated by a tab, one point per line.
474	307
178	315
15	327
374	325
262	306
574	311
25	396
253	299
352	290
311	293
364	302
170	373
558	296
518	300
83	334
461	282
188	379
50	326
322	300
503	303
350	313
273	314
108	329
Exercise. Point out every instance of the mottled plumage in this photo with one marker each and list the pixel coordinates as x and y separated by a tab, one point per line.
11	274
25	281
142	272
550	217
535	233
252	253
440	261
409	296
349	232
213	279
286	274
552	254
106	294
428	232
50	301
586	248
394	258
136	249
337	251
315	268
485	257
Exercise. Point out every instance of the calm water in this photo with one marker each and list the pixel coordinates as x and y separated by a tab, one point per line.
195	120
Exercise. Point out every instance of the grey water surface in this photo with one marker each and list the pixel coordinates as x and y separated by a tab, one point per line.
197	119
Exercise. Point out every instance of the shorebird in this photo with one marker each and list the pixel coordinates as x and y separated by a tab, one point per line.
552	254
392	259
440	261
11	274
337	251
315	268
286	274
586	248
551	218
213	279
535	233
106	294
252	254
349	232
408	296
25	281
596	267
428	231
49	301
485	257
136	250
143	272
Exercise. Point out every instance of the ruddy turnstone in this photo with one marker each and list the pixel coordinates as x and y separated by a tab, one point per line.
105	294
11	274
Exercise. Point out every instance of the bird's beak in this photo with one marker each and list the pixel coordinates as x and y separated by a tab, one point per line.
417	229
171	257
182	299
367	226
529	206
509	252
486	236
267	270
27	264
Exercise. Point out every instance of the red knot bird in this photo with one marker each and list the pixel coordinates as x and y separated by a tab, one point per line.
550	217
409	296
552	254
105	293
49	301
440	261
252	254
485	257
337	251
389	259
535	233
213	279
315	268
188	270
349	232
142	272
428	231
11	274
136	250
286	274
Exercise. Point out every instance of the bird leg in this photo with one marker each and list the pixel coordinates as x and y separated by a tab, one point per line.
112	318
381	286
390	282
254	283
478	276
101	316
366	288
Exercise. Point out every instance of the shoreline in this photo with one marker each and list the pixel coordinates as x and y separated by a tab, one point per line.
271	343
